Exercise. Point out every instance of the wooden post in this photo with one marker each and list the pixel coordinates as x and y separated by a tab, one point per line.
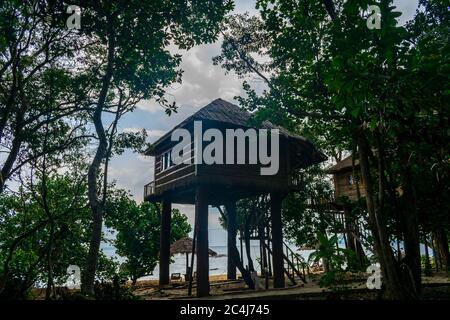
201	208
242	250
266	278
268	251
187	263
295	263
277	240
231	239
287	255
194	250
164	243
261	261
262	239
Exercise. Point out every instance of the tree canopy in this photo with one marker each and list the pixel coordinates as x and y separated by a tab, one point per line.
378	94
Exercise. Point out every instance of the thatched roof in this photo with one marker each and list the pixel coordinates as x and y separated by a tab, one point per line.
223	111
343	165
185	246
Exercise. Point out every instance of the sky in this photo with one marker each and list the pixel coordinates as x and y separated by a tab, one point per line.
202	82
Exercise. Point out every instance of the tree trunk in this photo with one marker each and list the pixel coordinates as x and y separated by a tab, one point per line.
94	202
11	158
411	233
442	248
391	278
244	272
435	254
8	107
233	250
353	243
48	291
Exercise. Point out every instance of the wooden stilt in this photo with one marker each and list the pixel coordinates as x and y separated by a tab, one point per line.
164	243
231	239
268	251
277	241
242	248
261	260
194	250
264	258
201	208
262	248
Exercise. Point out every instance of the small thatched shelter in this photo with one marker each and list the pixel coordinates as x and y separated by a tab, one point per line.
184	246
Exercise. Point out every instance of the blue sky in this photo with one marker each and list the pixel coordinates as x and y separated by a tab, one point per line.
202	83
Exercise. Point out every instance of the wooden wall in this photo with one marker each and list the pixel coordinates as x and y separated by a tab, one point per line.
177	175
231	175
344	188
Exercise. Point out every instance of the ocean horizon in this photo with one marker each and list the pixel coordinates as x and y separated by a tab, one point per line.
217	264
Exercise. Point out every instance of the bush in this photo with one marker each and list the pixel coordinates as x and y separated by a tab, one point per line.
427	267
115	290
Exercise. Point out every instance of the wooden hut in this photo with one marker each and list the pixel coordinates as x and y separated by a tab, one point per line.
203	184
347	179
348	184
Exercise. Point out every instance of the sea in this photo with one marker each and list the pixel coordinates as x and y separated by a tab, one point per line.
217	264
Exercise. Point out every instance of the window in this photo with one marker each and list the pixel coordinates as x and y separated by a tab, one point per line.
166	159
350	180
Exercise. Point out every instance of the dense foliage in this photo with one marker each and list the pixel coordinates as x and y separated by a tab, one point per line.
137	229
378	94
63	89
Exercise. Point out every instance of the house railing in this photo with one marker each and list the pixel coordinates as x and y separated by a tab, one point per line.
296	180
149	189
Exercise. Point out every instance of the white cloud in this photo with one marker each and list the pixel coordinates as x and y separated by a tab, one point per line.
131	172
132	130
149	106
156	133
407	8
202	82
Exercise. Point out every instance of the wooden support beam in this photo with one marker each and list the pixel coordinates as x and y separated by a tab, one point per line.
194	250
277	240
231	239
164	242
269	261
262	239
201	208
